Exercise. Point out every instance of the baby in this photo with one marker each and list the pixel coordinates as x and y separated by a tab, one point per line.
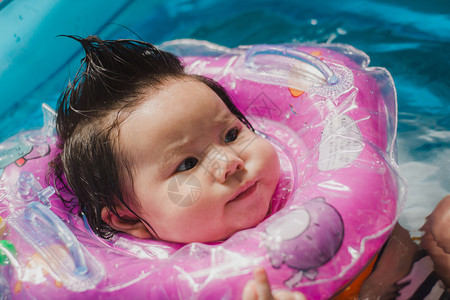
133	124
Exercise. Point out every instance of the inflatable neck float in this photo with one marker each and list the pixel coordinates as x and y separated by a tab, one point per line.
332	120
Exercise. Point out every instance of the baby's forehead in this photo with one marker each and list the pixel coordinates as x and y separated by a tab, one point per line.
181	108
188	94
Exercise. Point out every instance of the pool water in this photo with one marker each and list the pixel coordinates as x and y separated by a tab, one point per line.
410	38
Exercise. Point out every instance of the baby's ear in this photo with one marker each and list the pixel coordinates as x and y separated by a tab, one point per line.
129	223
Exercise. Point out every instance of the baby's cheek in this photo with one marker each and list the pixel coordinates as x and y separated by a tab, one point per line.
271	158
270	163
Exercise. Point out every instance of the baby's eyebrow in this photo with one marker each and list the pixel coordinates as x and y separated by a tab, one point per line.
224	120
172	152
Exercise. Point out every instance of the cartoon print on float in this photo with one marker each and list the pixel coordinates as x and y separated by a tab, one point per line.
305	239
29	145
14	153
27	148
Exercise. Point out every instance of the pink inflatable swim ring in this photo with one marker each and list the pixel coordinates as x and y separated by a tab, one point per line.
332	120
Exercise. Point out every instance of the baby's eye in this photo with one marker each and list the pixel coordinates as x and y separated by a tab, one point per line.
187	164
231	135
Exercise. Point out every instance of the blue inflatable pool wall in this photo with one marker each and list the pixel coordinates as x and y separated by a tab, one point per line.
31	52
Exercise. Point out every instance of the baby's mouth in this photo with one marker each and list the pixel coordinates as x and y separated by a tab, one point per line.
244	192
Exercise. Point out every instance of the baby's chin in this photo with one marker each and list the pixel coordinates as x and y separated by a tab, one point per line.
217	237
251	223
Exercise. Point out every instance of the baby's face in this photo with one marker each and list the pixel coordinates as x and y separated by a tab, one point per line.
200	175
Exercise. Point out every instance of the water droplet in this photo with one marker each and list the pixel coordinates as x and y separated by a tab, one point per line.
341	31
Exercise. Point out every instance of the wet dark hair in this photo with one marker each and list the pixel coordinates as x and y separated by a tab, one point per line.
108	86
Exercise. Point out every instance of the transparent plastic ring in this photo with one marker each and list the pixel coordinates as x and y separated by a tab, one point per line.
67	237
329	75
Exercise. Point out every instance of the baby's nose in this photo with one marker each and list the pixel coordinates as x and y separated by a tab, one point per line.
227	164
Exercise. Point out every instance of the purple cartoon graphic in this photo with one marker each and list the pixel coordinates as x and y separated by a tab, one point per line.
304	239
